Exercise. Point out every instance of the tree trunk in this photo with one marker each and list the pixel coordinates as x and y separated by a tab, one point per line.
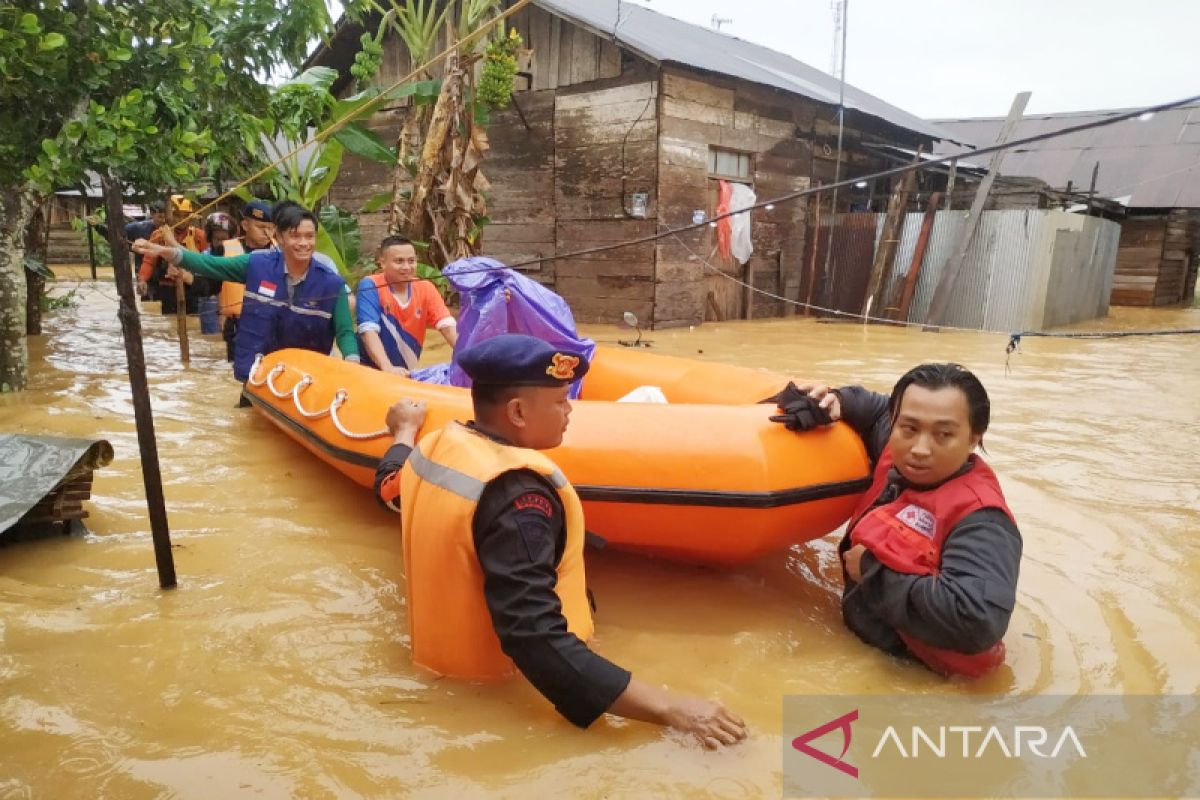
36	245
448	100
16	206
408	143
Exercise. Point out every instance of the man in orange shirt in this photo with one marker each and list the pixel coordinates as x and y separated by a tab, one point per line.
395	309
183	235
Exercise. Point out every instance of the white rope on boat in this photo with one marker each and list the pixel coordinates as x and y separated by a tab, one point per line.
254	371
339	400
278	370
304	383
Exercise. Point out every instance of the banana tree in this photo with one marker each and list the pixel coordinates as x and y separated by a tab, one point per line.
308	165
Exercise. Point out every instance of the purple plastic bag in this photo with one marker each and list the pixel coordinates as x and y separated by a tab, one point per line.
533	310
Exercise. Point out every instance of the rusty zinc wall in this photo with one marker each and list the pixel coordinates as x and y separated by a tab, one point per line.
1026	269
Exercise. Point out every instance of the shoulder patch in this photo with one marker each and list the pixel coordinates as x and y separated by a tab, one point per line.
535	501
919	519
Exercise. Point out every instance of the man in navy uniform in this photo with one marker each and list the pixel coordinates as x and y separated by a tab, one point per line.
493	545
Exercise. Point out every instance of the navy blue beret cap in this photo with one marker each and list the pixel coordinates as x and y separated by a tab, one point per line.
514	359
257	209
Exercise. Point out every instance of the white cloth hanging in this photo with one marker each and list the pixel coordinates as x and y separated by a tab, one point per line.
740	245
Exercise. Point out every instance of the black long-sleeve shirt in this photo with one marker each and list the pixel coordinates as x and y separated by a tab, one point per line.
519	531
965	607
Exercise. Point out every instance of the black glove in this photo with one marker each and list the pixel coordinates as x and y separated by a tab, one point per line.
789	394
803	414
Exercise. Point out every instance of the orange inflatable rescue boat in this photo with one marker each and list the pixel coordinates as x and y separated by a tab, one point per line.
704	478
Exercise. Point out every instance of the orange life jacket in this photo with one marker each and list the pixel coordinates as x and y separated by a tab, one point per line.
229	301
450	627
907	535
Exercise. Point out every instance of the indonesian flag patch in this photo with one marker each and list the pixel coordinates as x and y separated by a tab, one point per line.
267	289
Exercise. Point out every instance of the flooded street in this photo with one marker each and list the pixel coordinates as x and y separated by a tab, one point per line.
280	666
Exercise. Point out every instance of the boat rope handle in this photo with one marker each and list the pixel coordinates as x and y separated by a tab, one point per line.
277	370
254	371
340	399
302	384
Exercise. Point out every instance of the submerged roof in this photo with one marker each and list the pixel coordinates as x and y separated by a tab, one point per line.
1144	163
664	39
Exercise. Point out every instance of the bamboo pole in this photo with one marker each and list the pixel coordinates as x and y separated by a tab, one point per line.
185	353
131	328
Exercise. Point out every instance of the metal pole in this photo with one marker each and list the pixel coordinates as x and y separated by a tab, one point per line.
837	164
131	328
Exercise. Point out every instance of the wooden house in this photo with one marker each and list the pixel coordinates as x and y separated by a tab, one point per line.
623	122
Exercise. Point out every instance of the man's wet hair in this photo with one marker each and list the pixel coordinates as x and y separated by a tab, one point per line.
394	241
488	396
288	214
947	376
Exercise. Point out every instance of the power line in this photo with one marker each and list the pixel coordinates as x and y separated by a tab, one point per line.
888	173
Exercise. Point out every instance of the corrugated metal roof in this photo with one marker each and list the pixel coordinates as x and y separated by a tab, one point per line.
1153	163
660	38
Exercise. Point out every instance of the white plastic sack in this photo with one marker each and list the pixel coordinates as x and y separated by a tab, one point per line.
739	224
645	394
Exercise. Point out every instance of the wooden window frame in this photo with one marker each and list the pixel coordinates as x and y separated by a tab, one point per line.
747	179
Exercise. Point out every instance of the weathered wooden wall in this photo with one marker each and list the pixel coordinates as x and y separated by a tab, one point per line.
590	127
67	245
789	140
564	54
606	149
1181	244
1156	259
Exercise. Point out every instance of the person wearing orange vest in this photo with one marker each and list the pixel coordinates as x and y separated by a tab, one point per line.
176	233
932	554
258	232
394	310
493	545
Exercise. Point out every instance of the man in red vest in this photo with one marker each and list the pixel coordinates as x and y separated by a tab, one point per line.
932	553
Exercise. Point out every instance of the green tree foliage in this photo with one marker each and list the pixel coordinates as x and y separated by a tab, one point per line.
151	93
154	93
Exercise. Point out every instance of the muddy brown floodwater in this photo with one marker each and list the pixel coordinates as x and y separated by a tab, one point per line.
280	668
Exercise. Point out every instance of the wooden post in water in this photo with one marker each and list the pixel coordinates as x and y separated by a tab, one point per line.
185	353
816	244
914	269
889	241
91	248
949	277
131	329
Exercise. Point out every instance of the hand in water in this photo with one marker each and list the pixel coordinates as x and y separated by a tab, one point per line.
711	723
852	559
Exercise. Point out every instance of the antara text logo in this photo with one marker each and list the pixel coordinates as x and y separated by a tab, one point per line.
970	745
943	741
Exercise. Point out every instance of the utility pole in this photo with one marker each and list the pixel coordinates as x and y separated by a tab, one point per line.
837	64
840	23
